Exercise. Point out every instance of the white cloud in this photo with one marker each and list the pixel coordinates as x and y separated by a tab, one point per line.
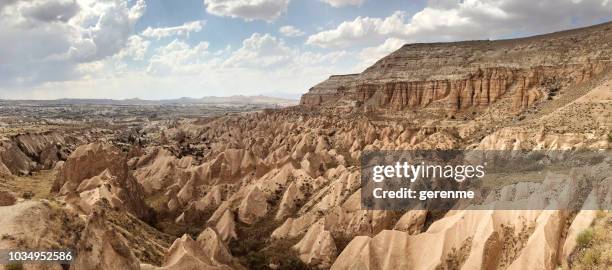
60	48
136	48
291	31
47	11
370	55
258	53
181	30
47	40
361	30
445	20
249	10
178	57
341	3
263	64
5	3
261	51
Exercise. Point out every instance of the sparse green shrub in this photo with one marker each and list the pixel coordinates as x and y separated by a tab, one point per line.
256	260
606	256
591	257
584	238
244	246
293	263
610	137
601	214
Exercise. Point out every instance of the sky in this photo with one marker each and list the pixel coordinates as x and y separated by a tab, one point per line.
163	49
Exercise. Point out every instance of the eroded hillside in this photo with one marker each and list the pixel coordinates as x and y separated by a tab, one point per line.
280	189
470	76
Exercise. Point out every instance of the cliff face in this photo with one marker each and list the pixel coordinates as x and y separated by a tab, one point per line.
473	74
329	90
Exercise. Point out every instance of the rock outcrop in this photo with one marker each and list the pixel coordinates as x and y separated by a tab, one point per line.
99	171
317	248
101	247
13	160
7	198
206	252
39	225
23	154
472	75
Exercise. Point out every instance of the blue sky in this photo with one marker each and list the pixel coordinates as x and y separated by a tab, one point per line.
309	16
159	49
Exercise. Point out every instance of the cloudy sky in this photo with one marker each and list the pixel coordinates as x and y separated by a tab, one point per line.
161	49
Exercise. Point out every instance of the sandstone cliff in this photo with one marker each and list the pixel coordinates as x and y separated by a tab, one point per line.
473	74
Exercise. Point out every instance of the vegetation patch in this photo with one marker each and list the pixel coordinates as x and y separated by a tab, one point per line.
513	242
584	238
256	250
594	250
457	256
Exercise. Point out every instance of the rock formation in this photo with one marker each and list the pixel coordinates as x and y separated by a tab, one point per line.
7	198
206	252
280	188
101	247
472	75
98	171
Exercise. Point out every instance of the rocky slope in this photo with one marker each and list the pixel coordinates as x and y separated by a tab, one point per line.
280	189
472	75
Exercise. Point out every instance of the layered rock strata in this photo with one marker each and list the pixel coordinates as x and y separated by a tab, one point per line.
473	74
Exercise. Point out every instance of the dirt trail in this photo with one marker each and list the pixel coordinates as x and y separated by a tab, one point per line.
10	214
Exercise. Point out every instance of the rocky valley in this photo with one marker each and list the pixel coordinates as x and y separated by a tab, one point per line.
270	186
